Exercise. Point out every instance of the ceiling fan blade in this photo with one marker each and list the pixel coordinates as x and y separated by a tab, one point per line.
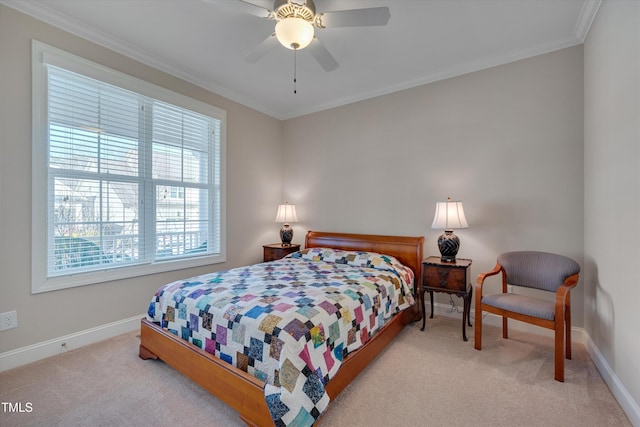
265	46
259	8
356	18
322	55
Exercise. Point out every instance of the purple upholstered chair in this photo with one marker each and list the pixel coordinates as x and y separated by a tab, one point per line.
537	270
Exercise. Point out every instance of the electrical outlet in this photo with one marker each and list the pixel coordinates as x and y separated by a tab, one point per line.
8	320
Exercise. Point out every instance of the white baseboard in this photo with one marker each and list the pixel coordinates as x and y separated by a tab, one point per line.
578	335
32	353
22	356
629	406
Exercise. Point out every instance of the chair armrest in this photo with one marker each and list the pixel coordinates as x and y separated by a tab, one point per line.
482	276
563	291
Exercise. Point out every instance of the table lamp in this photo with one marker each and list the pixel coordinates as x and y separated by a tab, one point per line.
449	215
286	214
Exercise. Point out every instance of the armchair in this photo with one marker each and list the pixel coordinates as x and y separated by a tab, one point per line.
537	270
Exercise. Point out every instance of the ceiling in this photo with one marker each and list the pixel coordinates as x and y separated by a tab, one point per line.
204	42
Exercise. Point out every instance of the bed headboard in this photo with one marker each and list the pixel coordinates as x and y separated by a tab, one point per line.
408	250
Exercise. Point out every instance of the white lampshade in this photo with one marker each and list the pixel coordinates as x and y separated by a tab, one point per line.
449	215
294	33
286	213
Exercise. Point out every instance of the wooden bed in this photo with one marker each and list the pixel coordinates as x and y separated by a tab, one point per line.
245	393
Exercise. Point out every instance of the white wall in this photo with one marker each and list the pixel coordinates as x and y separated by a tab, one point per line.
254	189
507	141
612	189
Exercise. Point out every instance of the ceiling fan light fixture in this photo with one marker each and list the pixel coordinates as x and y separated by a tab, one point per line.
294	33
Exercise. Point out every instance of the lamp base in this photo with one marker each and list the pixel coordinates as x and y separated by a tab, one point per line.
448	243
286	235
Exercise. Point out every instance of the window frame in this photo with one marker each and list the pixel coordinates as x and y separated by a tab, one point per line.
43	55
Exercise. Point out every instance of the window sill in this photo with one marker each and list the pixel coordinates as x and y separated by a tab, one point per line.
43	284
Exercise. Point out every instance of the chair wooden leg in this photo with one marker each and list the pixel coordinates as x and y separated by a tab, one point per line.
567	328
478	335
505	328
559	350
478	327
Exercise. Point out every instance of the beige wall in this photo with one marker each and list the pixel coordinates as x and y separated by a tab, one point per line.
254	189
507	141
612	189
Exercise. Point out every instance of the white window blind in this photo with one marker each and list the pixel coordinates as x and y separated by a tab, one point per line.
131	180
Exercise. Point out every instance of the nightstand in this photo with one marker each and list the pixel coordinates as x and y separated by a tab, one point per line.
278	250
450	278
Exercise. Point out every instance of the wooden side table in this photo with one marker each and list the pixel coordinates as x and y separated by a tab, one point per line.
451	278
278	250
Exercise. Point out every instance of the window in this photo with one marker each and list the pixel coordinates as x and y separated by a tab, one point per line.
127	176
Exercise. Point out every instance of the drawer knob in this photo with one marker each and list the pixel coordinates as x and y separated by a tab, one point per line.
444	275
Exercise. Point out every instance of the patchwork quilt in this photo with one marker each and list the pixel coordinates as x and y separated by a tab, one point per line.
290	322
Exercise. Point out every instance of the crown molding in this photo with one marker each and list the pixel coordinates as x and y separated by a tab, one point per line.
39	10
42	12
587	15
446	73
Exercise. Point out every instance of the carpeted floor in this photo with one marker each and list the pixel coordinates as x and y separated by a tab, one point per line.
423	378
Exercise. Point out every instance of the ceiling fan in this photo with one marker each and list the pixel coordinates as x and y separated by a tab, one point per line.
296	21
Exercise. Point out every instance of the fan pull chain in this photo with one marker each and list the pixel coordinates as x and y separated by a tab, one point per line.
295	71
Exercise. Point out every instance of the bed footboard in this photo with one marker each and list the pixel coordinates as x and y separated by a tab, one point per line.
236	388
240	390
